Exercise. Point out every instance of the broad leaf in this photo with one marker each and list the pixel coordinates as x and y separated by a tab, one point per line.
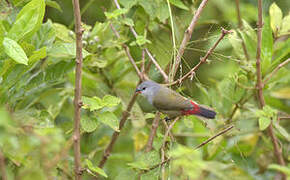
14	51
95	169
28	20
276	17
89	124
178	3
109	119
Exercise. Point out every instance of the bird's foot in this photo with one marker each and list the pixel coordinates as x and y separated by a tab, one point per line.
167	119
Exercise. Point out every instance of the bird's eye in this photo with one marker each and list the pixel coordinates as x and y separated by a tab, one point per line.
143	88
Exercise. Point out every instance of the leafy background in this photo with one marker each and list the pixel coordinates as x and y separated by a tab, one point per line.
37	54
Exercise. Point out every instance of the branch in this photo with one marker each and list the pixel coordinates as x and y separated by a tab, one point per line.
153	131
241	27
277	149
168	131
276	70
78	84
146	50
115	135
215	136
2	166
127	50
202	60
187	35
166	128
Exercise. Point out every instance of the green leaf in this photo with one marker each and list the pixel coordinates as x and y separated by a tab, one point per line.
92	104
28	20
110	101
128	21
53	4
146	160
236	42
116	13
280	168
285	28
276	17
45	36
282	131
109	119
63	33
95	169
265	116
264	122
267	46
141	40
281	52
64	51
14	51
89	124
128	3
179	4
37	55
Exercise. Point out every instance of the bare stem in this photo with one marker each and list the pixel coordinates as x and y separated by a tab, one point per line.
277	149
276	70
241	27
115	135
187	35
215	136
146	50
202	60
78	84
127	50
153	132
2	166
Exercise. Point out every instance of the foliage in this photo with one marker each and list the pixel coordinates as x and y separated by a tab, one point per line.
37	60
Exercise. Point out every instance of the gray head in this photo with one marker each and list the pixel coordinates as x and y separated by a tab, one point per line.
148	89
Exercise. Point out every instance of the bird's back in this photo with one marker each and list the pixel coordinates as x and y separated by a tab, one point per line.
167	99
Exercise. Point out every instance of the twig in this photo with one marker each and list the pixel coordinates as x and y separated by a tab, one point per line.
127	50
166	128
143	62
202	60
241	27
277	149
115	135
153	132
2	166
276	70
215	136
78	86
156	166
187	35
146	50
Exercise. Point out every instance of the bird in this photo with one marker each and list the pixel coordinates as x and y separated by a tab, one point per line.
170	102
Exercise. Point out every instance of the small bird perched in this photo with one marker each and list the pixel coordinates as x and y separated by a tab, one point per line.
170	102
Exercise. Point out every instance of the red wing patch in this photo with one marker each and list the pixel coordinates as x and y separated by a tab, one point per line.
194	110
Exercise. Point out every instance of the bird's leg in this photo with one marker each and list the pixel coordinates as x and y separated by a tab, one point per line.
167	119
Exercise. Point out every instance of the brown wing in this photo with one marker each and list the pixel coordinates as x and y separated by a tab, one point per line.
167	99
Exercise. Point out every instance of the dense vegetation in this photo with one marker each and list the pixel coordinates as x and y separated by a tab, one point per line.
37	82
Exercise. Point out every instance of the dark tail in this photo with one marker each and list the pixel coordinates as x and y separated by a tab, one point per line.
206	113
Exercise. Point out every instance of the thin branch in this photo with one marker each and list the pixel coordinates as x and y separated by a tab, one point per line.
115	135
202	60
241	27
127	50
277	148
156	166
146	50
78	86
166	128
143	62
2	166
215	136
276	70
187	35
153	132
258	57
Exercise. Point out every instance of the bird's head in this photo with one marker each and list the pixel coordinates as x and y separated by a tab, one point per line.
147	88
